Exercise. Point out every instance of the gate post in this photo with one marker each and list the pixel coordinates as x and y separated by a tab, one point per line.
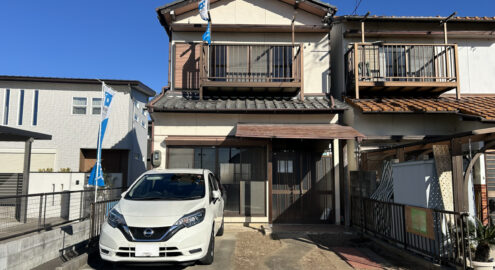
404	226
92	217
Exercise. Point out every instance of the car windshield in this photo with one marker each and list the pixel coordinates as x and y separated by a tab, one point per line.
168	186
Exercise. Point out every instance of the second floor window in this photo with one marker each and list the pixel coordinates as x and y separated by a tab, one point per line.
79	105
21	107
96	106
6	108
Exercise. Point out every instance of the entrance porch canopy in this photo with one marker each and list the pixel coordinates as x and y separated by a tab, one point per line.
298	131
9	134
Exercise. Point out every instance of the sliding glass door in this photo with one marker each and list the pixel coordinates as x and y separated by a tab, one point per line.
242	171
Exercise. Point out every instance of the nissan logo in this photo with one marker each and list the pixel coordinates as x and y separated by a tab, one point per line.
148	232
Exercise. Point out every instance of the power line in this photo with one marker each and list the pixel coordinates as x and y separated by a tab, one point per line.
357	6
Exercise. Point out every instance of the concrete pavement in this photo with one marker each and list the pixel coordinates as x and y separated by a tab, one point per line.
288	248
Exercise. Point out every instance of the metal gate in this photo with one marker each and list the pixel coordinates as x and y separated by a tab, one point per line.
302	187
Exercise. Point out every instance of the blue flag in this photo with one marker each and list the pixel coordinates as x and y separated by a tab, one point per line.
207	34
96	176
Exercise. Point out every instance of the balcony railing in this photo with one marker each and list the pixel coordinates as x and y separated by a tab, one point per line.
402	69
239	68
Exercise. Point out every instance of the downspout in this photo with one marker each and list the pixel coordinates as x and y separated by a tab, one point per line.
151	110
328	21
169	59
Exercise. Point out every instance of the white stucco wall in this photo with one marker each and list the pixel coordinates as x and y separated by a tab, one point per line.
12	160
268	12
71	132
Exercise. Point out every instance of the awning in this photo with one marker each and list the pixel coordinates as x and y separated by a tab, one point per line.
11	134
297	131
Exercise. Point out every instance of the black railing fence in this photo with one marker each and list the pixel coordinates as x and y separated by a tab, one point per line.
445	242
23	214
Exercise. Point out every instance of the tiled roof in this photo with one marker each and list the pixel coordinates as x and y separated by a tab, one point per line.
477	106
173	102
421	18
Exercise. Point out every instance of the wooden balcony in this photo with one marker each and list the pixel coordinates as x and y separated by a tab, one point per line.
393	69
251	70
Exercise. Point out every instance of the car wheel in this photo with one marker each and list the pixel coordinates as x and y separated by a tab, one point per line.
208	258
220	231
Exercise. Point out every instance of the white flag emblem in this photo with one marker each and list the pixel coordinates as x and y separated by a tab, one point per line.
203	9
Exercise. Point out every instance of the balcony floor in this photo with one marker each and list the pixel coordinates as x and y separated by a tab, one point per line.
405	88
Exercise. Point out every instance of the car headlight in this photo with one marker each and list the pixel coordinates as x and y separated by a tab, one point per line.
115	219
191	219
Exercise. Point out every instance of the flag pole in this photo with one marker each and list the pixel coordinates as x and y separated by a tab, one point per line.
98	147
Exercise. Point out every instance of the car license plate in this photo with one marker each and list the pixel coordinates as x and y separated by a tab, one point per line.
147	250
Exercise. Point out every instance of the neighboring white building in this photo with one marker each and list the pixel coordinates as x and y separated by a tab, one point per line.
69	110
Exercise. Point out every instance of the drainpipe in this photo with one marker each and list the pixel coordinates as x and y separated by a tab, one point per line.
150	107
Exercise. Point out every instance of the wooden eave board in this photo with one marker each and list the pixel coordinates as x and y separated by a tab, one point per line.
297	131
250	28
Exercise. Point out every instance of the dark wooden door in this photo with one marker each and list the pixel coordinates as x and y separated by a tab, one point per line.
302	187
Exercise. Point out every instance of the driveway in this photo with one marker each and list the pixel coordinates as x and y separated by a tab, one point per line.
287	248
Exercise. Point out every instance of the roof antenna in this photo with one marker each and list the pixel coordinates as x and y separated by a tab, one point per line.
444	22
362	26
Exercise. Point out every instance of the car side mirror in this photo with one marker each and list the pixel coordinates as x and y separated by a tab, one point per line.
216	194
122	195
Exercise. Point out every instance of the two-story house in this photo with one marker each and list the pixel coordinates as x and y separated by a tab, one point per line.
409	79
70	111
254	107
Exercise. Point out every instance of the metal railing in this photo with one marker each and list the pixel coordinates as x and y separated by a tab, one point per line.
446	244
23	214
396	62
99	212
251	63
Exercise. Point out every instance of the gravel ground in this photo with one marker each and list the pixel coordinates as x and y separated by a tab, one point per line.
252	248
321	259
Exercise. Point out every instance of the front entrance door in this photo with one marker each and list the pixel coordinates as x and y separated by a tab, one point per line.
302	187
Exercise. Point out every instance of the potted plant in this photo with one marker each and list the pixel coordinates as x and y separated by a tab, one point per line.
485	236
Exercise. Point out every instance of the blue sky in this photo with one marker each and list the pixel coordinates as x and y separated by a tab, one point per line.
124	40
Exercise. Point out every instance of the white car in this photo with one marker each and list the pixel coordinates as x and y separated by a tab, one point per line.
165	216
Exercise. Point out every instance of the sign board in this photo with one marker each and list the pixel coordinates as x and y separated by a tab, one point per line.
419	221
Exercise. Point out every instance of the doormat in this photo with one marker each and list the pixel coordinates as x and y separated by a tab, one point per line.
356	258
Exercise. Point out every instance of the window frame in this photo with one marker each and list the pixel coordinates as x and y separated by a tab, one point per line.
36	104
20	107
79	106
6	108
96	107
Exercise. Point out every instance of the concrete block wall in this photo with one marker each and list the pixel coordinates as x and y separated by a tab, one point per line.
38	248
